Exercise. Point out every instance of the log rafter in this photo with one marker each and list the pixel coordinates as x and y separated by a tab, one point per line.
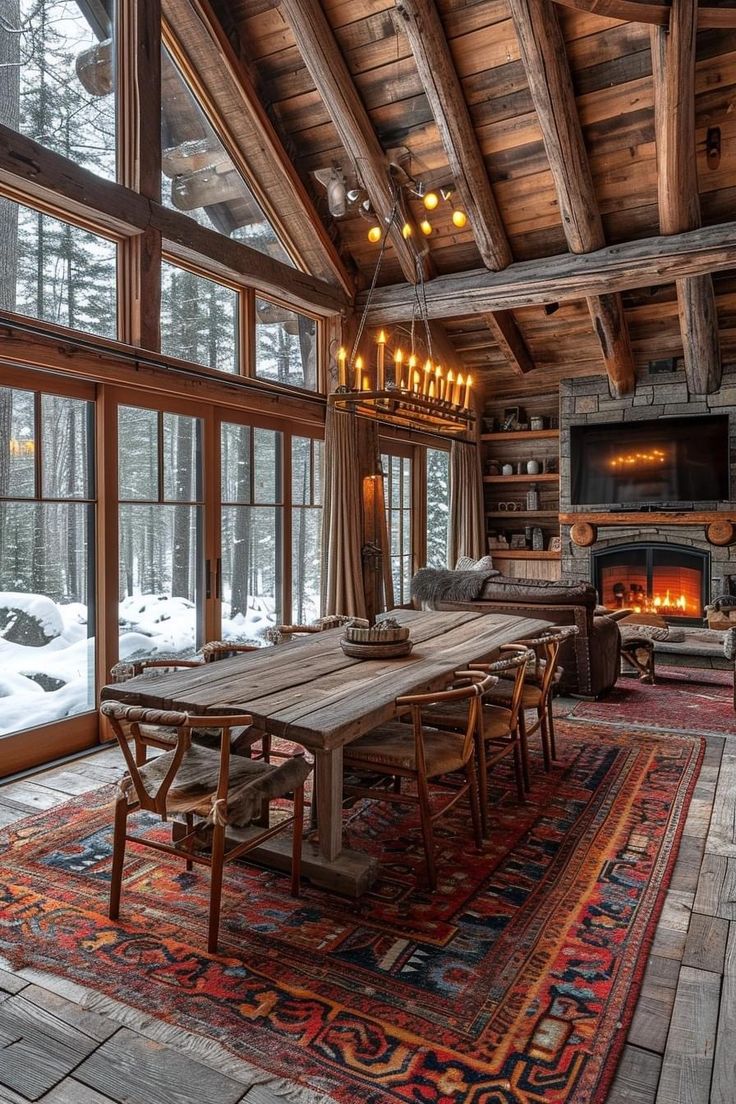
673	74
644	263
323	58
422	25
550	83
655	12
220	78
28	170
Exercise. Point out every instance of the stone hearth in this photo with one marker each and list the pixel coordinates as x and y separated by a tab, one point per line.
588	401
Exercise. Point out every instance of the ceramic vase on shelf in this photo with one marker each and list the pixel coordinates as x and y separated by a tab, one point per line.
532	467
532	498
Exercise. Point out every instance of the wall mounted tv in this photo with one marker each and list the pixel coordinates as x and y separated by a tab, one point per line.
668	462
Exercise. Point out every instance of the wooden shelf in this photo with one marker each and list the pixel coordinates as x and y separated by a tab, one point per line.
547	477
522	554
512	515
521	435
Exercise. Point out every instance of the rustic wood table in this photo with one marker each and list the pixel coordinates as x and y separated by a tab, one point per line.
309	692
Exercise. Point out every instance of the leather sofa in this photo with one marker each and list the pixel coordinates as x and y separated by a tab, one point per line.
591	660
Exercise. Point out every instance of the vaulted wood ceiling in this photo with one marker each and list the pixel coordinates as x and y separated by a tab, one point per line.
566	138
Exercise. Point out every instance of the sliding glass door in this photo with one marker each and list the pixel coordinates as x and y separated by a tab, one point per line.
47	564
250	563
161	544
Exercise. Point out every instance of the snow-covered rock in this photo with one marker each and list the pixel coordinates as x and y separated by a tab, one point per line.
29	619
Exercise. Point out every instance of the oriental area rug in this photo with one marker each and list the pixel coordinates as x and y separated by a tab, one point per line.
514	982
695	700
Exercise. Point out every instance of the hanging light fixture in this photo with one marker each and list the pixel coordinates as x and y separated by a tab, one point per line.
382	380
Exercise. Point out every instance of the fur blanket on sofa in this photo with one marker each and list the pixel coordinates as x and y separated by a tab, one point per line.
434	584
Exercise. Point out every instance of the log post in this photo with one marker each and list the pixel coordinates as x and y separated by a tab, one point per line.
673	74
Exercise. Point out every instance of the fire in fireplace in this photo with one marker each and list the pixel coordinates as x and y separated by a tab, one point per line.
654	578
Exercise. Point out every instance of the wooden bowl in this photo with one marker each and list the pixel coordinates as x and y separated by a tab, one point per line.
391	650
376	636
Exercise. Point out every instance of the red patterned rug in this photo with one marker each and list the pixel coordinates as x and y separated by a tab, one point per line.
515	982
682	700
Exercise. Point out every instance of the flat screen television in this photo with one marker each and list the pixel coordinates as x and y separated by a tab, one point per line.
668	462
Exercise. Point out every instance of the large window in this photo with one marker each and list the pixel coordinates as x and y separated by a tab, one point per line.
200	178
46	565
398	494
438	506
252	525
286	346
199	319
306	528
56	77
161	559
56	272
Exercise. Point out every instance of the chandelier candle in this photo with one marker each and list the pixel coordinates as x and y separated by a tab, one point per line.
358	373
380	370
398	359
342	367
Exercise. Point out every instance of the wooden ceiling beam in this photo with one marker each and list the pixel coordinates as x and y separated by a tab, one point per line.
509	340
223	85
422	25
550	83
656	12
673	76
323	58
645	263
31	173
420	21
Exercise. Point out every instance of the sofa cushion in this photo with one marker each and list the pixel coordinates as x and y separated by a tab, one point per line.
485	563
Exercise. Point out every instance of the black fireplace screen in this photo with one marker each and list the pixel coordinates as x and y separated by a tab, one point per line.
654	578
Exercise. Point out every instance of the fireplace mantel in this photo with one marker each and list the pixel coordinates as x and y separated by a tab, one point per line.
718	524
650	517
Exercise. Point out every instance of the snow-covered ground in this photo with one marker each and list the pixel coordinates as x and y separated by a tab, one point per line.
54	680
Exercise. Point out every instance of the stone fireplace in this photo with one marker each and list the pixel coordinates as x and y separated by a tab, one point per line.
667	579
639	558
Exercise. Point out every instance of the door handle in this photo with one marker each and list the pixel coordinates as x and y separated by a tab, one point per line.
218	579
207	577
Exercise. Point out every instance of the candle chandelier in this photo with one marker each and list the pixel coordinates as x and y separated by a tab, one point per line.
400	381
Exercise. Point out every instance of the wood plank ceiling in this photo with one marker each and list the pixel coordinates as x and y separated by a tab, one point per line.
596	106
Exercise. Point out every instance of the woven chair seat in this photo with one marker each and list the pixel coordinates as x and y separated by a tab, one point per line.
240	738
251	783
496	719
531	694
392	745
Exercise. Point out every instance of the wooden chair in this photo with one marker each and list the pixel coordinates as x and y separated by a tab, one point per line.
243	739
214	794
539	683
281	634
499	731
422	754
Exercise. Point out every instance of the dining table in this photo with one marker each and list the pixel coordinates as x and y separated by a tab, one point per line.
308	691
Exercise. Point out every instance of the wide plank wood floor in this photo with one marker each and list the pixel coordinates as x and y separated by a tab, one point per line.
679	1050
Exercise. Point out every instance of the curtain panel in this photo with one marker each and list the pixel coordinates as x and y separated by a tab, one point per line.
342	567
467	518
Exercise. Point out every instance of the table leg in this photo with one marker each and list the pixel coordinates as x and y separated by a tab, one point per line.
328	771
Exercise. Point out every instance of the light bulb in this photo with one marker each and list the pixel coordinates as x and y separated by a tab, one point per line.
374	234
425	226
459	218
431	200
406	230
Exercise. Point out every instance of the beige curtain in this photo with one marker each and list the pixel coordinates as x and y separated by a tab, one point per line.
467	520
342	568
